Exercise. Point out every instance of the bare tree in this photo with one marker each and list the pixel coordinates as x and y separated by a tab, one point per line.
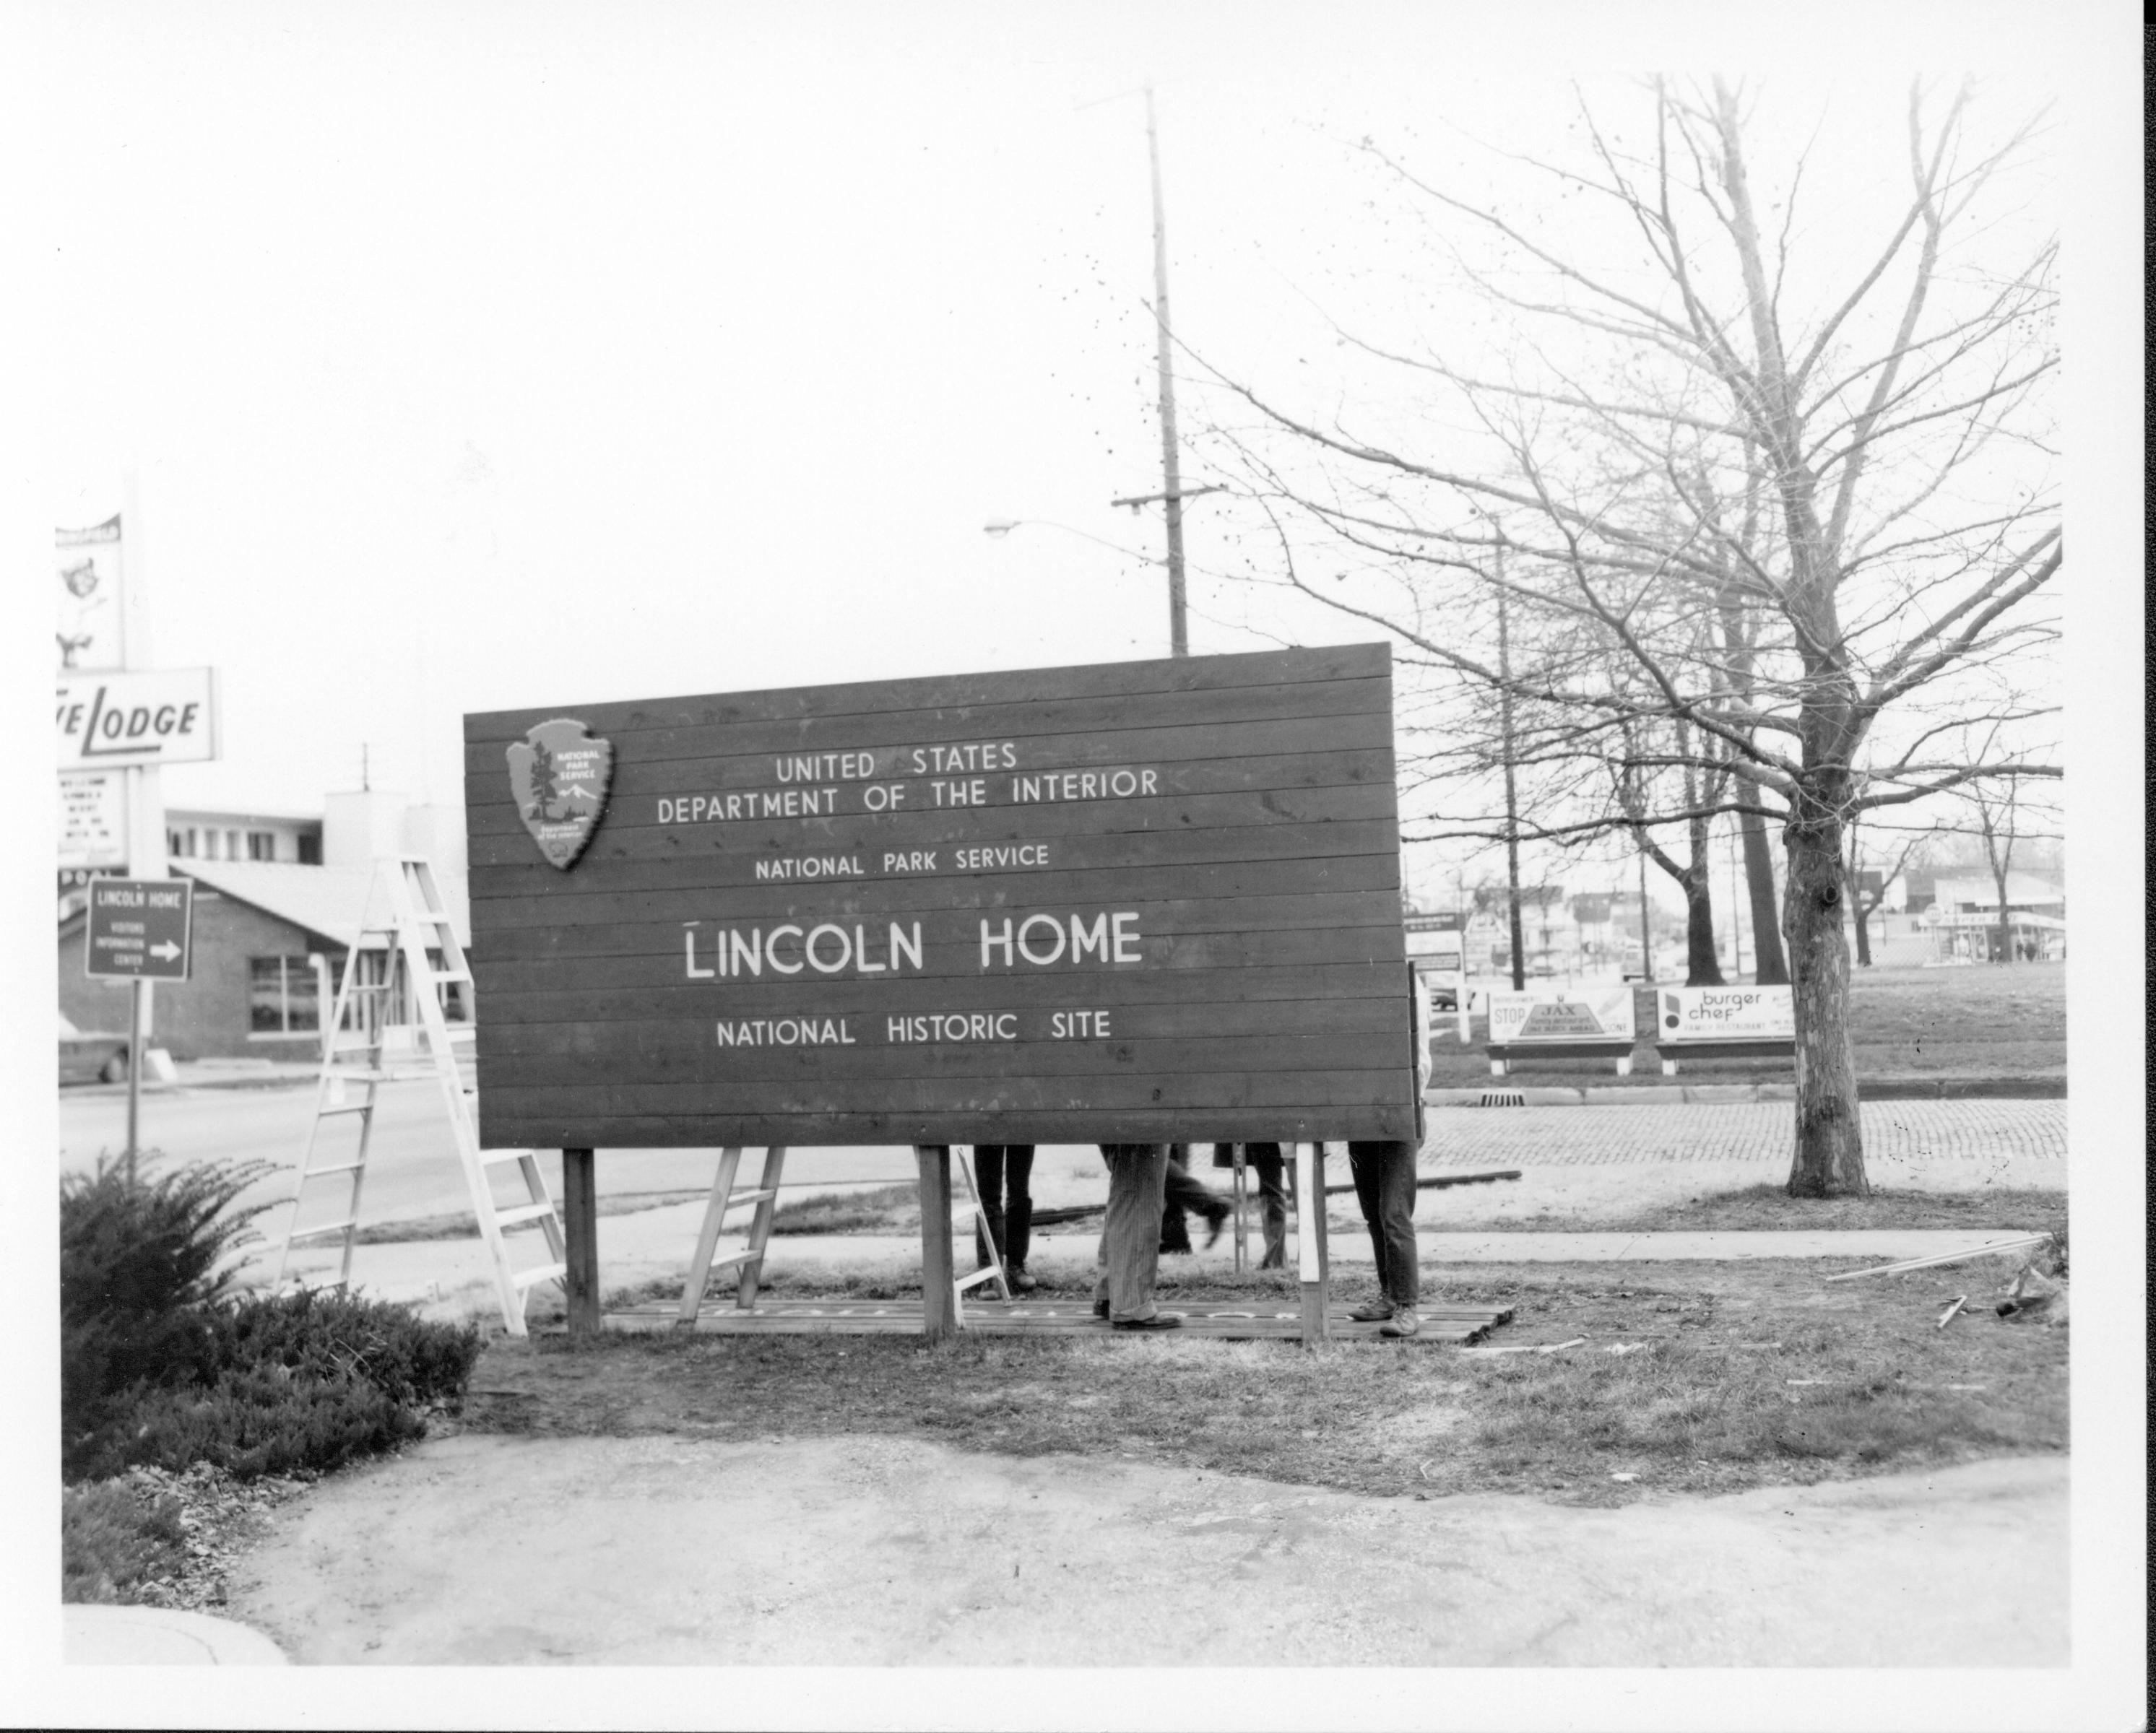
1892	861
1798	490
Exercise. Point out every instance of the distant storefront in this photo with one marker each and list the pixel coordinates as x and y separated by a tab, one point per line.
271	930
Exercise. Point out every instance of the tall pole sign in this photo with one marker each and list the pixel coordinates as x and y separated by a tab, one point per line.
118	723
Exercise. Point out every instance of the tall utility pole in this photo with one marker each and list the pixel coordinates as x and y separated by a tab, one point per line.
1179	635
1512	792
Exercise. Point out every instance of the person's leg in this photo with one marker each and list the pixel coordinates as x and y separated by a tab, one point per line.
1385	1184
1364	1168
1186	1192
1130	1237
1174	1225
1018	1214
1264	1159
1396	1194
988	1176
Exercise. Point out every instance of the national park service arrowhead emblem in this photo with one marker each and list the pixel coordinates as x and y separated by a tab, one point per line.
560	774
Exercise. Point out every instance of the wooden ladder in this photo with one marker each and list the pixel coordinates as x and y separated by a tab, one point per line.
764	1197
414	921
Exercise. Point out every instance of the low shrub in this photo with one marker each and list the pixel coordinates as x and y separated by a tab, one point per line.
327	1337
113	1542
263	1419
300	1381
142	1261
160	1366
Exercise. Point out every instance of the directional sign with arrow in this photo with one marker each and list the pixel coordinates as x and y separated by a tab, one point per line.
139	929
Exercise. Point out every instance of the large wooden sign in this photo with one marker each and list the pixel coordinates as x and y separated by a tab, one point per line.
1143	901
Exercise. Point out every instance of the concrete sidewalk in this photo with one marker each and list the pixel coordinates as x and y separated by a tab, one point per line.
450	1278
99	1636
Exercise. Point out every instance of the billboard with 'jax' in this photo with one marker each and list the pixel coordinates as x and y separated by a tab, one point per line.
1133	902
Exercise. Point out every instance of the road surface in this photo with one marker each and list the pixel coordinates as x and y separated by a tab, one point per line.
412	1167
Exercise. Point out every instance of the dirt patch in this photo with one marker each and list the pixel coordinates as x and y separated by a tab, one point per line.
1729	1376
875	1550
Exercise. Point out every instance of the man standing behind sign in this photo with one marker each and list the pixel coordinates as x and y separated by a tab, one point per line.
1130	1237
1384	1176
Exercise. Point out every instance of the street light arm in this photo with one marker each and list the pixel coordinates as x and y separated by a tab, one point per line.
1188	493
1000	527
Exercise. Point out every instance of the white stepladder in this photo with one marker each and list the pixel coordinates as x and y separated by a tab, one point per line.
404	909
764	1197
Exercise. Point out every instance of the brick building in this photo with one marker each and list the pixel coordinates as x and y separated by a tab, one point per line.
271	936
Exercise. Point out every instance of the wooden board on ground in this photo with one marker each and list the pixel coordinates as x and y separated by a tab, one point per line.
1270	1318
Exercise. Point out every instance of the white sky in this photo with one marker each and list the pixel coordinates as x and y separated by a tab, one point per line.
468	363
477	356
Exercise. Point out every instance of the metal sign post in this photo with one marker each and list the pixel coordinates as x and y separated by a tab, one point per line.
140	931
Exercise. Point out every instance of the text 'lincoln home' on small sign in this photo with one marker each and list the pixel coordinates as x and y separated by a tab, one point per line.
1142	901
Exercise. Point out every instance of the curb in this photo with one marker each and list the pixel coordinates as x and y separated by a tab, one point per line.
1503	1093
94	1635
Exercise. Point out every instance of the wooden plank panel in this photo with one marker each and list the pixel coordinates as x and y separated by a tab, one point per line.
1231	763
1231	1019
1036	1126
872	897
574	1002
956	956
1067	1061
1181	679
875	835
764	907
1133	850
964	952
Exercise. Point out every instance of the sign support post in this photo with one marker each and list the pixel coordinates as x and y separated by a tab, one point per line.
939	1299
580	1229
138	1019
1309	1240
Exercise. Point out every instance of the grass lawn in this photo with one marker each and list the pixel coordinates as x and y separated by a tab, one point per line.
464	1225
896	1210
1733	1376
1983	1021
1769	1207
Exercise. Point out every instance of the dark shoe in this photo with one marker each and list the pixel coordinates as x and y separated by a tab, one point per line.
1158	1320
1018	1281
1375	1312
1403	1323
1176	1248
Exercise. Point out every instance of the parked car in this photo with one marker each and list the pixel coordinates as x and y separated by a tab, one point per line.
91	1055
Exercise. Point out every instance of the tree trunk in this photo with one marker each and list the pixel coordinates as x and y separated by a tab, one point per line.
1860	913
1829	1153
2004	940
1703	967
1773	968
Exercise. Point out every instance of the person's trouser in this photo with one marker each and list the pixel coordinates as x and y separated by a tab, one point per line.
1384	1175
1184	1192
1130	1237
1005	1173
1264	1160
